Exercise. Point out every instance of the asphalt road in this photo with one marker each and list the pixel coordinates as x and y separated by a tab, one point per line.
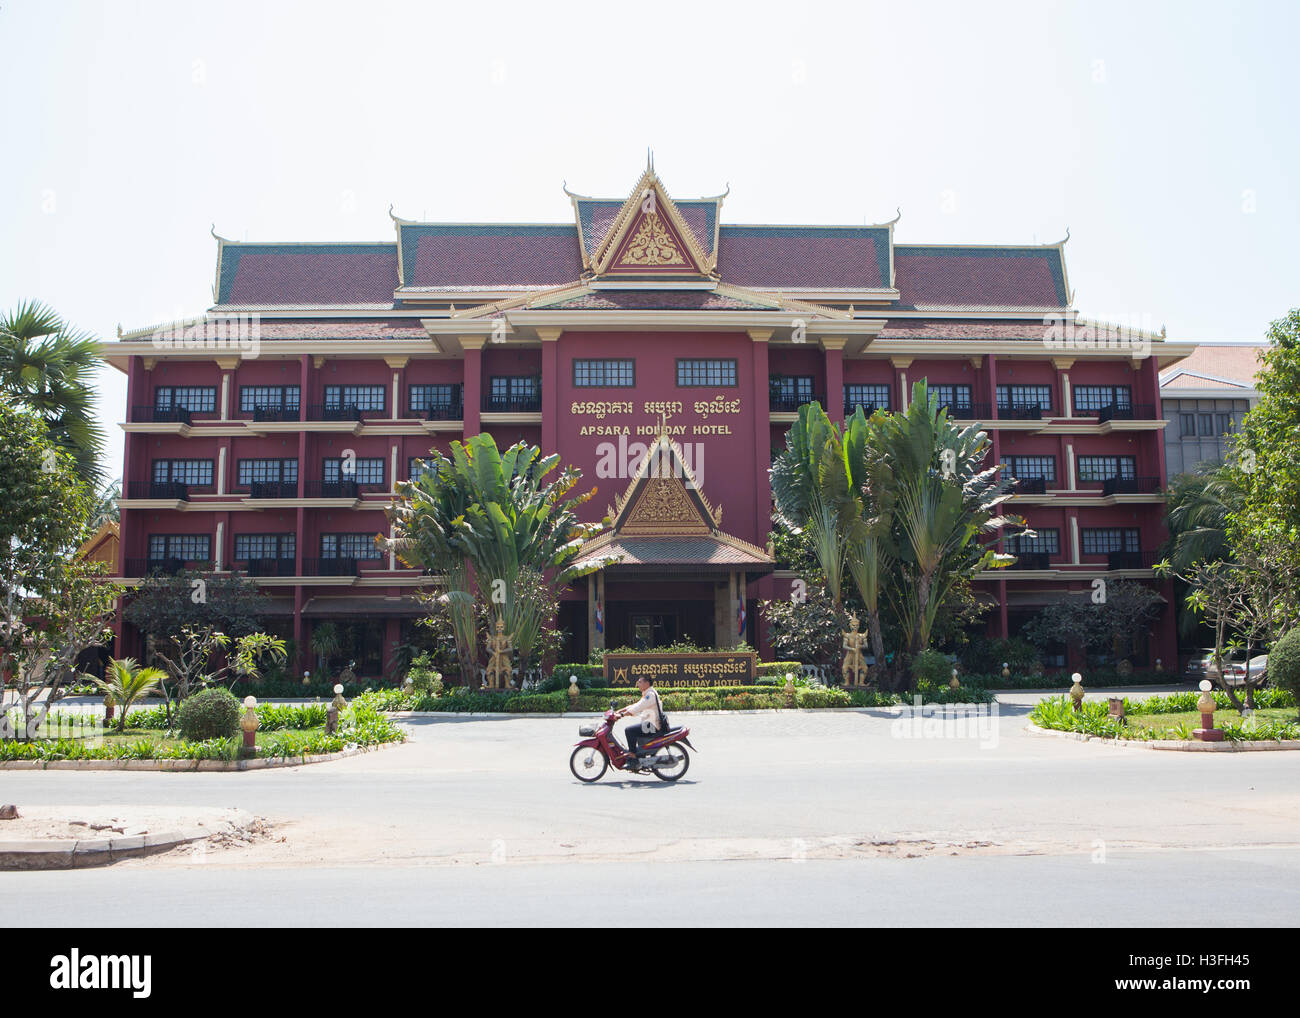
807	818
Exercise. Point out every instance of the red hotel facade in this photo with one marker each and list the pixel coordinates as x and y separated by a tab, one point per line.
266	435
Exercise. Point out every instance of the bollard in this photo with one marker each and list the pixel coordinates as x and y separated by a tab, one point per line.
1207	732
573	692
337	705
1076	691
1006	670
109	709
954	683
789	689
249	724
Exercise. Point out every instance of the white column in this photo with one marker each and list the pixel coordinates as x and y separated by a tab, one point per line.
392	478
1065	391
1069	466
396	393
221	471
1074	538
225	397
220	546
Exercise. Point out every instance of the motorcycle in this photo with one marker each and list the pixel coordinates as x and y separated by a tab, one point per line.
665	754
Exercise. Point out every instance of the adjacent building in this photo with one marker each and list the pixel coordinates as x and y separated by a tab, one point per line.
1204	398
266	435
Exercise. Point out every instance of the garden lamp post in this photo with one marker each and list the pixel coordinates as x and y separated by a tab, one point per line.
1076	691
1006	669
249	724
573	692
336	705
954	682
1207	732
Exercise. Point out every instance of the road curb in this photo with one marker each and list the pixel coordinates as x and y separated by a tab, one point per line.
260	763
1175	745
64	854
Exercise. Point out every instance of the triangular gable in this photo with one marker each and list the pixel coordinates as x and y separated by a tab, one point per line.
664	498
650	237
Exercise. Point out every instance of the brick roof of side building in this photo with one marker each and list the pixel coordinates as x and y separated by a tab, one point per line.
785	257
1216	366
489	255
980	276
328	274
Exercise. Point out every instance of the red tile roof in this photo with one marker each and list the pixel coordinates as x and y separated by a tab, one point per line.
489	255
270	274
700	552
979	277
783	257
1237	363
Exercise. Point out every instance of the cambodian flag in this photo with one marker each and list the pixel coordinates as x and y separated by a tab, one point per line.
600	619
740	616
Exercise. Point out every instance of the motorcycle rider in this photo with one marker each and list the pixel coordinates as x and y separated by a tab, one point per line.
649	712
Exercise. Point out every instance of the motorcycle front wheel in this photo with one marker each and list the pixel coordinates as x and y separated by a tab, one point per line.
588	763
680	761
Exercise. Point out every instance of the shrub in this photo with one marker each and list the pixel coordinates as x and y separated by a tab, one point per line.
1284	663
932	667
209	714
425	679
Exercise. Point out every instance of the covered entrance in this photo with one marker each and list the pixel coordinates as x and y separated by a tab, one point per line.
674	575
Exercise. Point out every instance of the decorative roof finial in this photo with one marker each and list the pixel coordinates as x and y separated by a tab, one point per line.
216	236
649	160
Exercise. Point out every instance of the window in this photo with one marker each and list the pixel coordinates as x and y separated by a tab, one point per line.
258	471
1104	540
197	472
1025	468
1020	397
1224	423
188	547
866	396
1187	425
703	373
1095	397
791	390
359	546
515	387
363	397
424	398
954	397
1103	468
1048	541
1205	425
197	399
619	374
367	471
255	546
270	397
417	467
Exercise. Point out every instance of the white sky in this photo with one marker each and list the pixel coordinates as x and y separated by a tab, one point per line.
1163	135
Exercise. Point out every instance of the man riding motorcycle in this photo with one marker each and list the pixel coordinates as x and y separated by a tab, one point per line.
650	716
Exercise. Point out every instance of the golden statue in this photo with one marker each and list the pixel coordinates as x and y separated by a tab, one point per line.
854	668
499	648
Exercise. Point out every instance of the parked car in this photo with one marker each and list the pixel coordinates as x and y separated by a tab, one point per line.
1235	667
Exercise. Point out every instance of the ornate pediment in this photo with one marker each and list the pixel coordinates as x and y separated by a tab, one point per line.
649	238
663	507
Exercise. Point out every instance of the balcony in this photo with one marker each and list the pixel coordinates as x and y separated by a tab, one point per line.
329	567
160	415
789	403
530	403
334	412
161	566
1130	486
1130	559
1031	560
970	411
329	489
271	566
1022	412
1126	412
452	409
1031	485
851	405
273	489
170	491
278	414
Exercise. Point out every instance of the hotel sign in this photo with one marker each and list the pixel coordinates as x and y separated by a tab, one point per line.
682	671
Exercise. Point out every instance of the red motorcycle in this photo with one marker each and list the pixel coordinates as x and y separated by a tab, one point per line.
665	754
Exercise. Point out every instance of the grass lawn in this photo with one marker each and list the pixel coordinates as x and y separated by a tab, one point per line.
1192	719
284	736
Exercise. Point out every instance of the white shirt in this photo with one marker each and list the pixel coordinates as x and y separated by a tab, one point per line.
648	704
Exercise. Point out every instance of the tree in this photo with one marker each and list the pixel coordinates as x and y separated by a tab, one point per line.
189	657
492	517
126	682
163	606
1266	454
1198	510
326	642
1100	629
48	367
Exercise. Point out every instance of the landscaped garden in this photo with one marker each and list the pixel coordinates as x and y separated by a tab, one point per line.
1173	717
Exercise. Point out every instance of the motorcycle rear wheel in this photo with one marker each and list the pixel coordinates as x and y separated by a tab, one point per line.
588	763
677	769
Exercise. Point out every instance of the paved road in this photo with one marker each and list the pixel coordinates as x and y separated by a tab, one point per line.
807	817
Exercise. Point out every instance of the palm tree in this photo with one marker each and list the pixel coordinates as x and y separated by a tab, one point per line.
1199	506
106	508
48	367
125	682
326	642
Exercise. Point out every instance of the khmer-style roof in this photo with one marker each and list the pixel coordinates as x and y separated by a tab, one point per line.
263	275
820	257
934	277
488	256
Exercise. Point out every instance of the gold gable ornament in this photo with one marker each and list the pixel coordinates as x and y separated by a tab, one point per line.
653	244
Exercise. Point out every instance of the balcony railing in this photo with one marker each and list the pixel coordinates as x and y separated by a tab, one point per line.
285	566
330	489
788	403
161	415
170	490
851	405
334	412
277	413
162	566
329	567
273	489
1130	486
1022	412
1031	485
1130	559
1126	412
1031	560
453	410
496	404
970	411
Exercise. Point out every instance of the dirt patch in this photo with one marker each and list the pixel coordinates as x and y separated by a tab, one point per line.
91	823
